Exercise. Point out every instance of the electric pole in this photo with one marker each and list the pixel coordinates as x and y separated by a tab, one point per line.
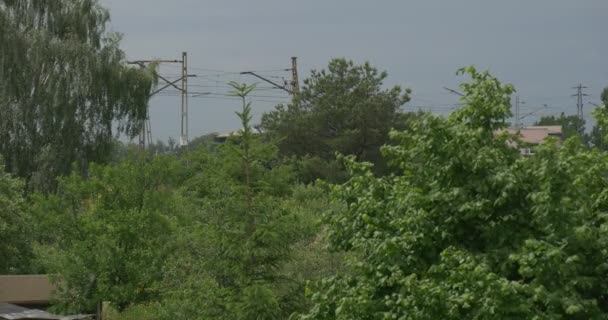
183	139
295	84
517	118
579	107
142	131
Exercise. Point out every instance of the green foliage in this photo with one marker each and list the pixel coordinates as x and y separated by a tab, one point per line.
204	141
240	225
487	100
571	125
15	226
598	133
219	233
597	137
249	228
107	237
160	147
342	109
468	228
63	87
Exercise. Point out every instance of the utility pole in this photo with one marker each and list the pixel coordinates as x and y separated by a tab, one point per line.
145	134
517	118
295	84
142	131
579	107
183	139
149	129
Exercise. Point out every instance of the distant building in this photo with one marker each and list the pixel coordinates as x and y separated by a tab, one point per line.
535	135
222	137
26	290
27	296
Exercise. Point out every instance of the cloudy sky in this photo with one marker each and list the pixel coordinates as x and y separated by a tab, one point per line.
543	47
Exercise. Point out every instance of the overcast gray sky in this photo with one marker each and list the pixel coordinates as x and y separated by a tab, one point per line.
543	47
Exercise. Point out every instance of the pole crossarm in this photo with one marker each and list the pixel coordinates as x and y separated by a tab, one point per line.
171	84
146	131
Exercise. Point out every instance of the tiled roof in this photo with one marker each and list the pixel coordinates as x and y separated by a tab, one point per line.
536	134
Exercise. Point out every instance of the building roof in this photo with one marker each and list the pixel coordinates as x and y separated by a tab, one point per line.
536	134
25	289
226	135
557	129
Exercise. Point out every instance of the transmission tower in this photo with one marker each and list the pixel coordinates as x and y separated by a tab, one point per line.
579	107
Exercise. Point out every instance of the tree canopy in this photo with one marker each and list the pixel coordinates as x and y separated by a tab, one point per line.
419	216
64	85
343	108
15	226
107	237
572	125
219	232
469	228
241	200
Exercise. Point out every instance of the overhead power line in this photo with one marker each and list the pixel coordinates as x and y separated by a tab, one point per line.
454	91
284	87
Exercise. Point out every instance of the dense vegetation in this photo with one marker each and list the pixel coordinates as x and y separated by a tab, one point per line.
343	208
342	109
470	229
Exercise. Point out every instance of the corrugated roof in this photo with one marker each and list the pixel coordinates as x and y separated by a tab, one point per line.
13	312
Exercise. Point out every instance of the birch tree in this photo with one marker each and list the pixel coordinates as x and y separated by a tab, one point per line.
65	89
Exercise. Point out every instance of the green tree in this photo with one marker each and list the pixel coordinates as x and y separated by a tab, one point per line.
205	141
571	125
597	137
64	85
15	232
469	228
249	229
598	133
342	109
241	224
107	237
